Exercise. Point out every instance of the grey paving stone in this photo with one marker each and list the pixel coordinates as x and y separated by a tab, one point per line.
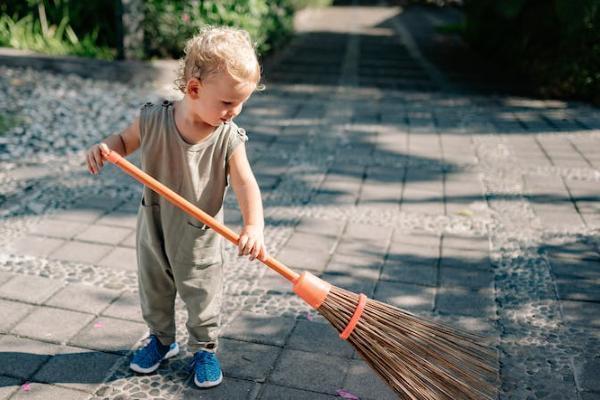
310	371
99	202
317	337
480	244
83	215
52	324
360	249
323	227
361	231
83	298
58	229
12	312
262	329
303	259
416	239
465	277
109	334
587	371
103	234
413	298
121	219
420	274
21	357
459	301
276	392
81	252
30	289
120	258
578	289
129	241
366	384
575	269
36	246
465	259
41	391
77	368
8	386
230	389
126	307
245	360
311	242
5	277
580	313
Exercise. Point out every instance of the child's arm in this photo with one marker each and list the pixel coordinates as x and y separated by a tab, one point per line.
248	195
123	143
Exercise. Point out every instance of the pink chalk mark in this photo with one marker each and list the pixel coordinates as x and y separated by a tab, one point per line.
99	325
346	394
26	387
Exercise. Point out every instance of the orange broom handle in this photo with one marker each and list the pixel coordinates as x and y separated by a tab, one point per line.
192	210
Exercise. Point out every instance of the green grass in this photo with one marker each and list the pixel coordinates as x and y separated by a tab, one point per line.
29	33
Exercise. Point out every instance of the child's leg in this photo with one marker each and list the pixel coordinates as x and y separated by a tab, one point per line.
157	288
201	289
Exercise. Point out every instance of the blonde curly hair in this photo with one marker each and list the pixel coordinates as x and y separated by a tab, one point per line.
217	49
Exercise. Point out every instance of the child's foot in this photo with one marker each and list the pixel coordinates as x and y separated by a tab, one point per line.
207	370
148	358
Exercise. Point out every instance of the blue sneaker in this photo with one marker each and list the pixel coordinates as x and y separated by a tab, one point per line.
207	370
148	358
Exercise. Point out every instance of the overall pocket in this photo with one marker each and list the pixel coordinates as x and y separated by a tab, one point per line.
148	228
198	246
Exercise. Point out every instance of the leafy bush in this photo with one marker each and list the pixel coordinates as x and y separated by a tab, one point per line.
50	27
89	28
168	24
554	42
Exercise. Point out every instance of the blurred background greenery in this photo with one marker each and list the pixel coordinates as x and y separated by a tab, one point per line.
90	28
555	44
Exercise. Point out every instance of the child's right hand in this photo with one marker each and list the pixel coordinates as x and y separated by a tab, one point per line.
94	158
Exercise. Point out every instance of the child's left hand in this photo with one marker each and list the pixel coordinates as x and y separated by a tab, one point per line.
252	242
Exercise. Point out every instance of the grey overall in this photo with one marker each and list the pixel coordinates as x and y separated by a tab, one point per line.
176	253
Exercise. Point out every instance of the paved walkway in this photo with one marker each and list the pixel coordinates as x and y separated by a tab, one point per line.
381	170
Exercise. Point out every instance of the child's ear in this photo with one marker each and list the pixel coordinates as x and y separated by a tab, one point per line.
193	88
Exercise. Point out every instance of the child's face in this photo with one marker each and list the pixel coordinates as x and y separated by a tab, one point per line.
219	98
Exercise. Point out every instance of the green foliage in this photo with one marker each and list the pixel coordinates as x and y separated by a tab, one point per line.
37	35
554	42
89	28
168	24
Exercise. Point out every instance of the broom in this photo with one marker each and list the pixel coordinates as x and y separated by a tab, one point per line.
416	357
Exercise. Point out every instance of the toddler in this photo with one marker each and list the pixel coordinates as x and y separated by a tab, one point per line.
194	147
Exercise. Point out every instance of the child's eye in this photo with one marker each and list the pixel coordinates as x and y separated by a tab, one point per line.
227	103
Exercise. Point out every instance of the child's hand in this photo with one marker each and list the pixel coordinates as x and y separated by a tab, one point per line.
252	242
94	158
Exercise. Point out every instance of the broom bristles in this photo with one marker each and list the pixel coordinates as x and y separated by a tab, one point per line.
418	358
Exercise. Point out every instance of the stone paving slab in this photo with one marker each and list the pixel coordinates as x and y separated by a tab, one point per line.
76	368
22	357
310	371
261	329
83	298
52	324
12	312
40	391
30	289
109	334
245	360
